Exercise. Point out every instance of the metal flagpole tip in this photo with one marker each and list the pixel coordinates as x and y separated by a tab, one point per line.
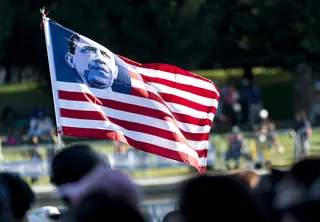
42	11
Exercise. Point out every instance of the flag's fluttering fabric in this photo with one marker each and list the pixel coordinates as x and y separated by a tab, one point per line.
157	108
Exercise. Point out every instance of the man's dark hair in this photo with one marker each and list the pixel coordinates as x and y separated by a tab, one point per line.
306	171
172	216
72	46
73	162
18	195
99	205
222	192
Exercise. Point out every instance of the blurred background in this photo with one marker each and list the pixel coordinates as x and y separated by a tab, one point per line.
262	54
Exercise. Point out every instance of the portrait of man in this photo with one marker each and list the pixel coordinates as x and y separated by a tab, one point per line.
97	66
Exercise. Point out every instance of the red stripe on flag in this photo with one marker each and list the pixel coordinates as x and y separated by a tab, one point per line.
188	88
147	147
182	101
86	97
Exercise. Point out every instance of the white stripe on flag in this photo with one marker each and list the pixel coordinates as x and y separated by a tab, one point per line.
177	78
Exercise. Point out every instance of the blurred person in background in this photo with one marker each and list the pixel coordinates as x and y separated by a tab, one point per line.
236	146
244	100
255	103
262	144
38	111
314	113
219	114
262	119
11	140
40	124
231	107
303	130
212	155
121	149
35	154
223	89
122	154
9	117
14	137
52	147
1	154
272	138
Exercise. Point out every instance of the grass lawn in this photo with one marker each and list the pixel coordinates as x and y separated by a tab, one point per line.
275	86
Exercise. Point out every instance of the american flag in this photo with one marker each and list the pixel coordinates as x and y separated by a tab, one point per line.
157	108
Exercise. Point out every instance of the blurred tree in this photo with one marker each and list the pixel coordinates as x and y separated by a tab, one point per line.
26	46
7	12
191	34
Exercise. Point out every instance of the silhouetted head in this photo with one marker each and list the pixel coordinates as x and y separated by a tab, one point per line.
292	190
16	196
173	216
100	206
306	171
200	194
73	162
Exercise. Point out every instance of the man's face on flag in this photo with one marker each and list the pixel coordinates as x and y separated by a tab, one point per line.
93	62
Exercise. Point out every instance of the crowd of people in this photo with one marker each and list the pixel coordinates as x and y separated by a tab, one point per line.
91	191
239	106
266	141
39	124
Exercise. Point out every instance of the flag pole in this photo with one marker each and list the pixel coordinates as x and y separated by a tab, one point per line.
47	34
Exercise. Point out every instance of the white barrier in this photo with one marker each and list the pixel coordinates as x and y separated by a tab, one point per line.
25	168
134	160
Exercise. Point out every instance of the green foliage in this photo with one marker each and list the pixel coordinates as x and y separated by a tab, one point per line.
6	22
192	34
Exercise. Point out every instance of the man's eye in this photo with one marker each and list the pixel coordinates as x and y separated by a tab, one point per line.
88	49
105	54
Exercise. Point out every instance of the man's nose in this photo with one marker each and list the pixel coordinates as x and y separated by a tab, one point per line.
97	58
100	61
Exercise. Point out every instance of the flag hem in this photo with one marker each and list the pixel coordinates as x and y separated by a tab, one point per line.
52	69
